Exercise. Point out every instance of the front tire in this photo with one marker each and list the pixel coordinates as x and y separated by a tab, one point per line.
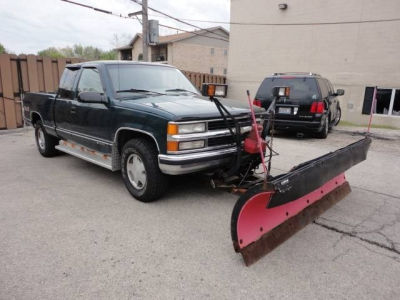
338	116
45	142
140	171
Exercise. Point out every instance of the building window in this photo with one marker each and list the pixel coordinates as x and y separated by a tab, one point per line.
225	52
212	51
225	71
387	101
211	70
140	57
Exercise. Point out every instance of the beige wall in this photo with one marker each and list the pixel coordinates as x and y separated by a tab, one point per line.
352	56
197	58
193	54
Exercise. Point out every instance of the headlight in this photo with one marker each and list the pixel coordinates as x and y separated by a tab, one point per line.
186	128
191	145
191	128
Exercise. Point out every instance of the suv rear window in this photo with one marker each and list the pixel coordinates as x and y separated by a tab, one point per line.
300	87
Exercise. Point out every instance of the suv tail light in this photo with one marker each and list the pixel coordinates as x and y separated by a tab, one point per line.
317	107
257	102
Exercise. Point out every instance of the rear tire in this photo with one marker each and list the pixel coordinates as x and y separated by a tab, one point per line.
140	171
45	142
324	132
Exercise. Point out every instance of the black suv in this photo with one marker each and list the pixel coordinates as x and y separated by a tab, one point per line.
312	105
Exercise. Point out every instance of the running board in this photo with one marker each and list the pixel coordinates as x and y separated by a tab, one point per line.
95	157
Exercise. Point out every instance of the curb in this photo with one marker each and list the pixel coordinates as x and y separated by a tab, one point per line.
379	136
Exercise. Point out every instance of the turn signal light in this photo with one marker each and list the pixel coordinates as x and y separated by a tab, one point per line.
317	107
172	146
257	102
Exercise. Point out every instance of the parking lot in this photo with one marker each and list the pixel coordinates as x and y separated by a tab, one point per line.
70	229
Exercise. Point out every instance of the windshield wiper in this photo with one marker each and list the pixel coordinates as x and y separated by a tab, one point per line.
138	91
180	90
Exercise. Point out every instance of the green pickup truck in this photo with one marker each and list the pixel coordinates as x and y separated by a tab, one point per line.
144	119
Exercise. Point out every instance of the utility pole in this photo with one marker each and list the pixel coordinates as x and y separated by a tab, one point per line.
145	28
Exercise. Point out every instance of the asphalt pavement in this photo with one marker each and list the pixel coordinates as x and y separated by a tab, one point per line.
70	230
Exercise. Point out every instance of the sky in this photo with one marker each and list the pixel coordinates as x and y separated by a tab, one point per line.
28	26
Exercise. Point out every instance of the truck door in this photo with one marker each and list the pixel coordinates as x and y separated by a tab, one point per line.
64	101
93	120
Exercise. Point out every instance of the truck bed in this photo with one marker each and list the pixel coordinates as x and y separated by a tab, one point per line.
42	105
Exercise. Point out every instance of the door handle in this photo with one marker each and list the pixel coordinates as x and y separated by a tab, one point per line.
73	110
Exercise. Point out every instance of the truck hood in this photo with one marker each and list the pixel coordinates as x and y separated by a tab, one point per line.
187	107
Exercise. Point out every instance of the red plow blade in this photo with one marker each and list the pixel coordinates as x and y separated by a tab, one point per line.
263	218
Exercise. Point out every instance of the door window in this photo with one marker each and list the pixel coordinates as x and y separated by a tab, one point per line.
330	87
90	81
324	88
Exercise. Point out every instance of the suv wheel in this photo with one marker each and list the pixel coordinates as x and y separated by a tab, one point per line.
44	142
140	171
338	116
324	132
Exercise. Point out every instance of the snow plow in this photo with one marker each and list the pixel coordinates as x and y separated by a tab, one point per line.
273	208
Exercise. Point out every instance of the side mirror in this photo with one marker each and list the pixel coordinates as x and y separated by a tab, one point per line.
92	97
339	92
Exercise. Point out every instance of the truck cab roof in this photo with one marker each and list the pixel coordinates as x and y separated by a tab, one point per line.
97	63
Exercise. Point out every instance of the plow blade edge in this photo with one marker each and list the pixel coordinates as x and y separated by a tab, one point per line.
263	218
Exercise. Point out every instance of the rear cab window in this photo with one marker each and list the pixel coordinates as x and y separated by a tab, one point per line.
66	88
301	88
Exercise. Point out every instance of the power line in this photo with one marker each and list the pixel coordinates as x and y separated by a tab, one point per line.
179	20
292	24
126	17
194	32
183	30
241	23
97	9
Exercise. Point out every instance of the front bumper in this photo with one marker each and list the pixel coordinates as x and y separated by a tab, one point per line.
178	164
295	125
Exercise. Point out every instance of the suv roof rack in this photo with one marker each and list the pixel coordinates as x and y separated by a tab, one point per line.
297	73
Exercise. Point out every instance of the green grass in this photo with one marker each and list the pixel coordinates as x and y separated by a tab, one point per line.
347	123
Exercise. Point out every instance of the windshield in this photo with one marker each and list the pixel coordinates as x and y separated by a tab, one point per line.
148	78
300	88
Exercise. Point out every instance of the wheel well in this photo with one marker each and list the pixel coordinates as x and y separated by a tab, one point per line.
126	135
35	117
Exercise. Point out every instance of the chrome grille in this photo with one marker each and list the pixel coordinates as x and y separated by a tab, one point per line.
220	124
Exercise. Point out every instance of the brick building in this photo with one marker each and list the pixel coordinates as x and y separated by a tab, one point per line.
190	51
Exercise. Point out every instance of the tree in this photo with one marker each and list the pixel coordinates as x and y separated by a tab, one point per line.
79	51
2	49
51	52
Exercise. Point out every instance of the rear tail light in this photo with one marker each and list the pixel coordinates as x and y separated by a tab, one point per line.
317	107
257	102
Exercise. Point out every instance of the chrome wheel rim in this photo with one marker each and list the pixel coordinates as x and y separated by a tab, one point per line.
40	138
136	171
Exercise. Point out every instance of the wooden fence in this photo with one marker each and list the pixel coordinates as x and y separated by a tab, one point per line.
199	78
31	73
25	73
